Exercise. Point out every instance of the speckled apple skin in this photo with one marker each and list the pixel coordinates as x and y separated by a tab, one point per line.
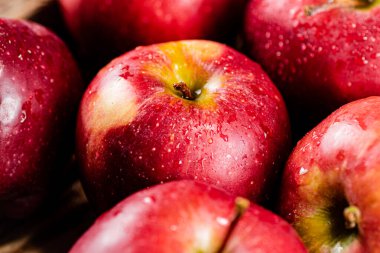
125	24
319	61
40	87
186	216
135	131
340	157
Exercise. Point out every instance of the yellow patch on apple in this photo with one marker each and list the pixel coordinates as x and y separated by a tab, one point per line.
189	62
113	105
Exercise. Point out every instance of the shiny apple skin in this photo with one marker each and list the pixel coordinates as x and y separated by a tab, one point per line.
186	216
40	89
125	24
319	61
340	157
135	131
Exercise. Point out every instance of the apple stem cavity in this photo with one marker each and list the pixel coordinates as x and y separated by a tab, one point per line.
241	205
185	90
352	216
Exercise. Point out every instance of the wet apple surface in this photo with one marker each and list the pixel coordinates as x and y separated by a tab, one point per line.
186	216
40	87
330	185
137	127
321	54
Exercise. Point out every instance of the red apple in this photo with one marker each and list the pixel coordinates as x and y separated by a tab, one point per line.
40	88
330	189
181	110
110	28
321	54
186	216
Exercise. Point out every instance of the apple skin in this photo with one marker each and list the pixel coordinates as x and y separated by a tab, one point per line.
334	166
40	89
187	216
319	61
125	24
135	130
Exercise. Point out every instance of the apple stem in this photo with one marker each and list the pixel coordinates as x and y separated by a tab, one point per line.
352	216
184	89
241	205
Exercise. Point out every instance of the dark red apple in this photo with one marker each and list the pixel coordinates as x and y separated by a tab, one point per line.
40	87
321	53
186	216
110	28
181	110
330	189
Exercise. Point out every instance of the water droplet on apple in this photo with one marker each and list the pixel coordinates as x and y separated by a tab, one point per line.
303	171
148	200
23	116
210	140
224	137
365	61
222	221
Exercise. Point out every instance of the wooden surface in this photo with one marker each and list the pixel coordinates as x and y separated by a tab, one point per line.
21	8
53	230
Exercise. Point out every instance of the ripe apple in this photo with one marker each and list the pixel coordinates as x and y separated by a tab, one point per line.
181	110
186	216
321	54
125	24
40	88
330	187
